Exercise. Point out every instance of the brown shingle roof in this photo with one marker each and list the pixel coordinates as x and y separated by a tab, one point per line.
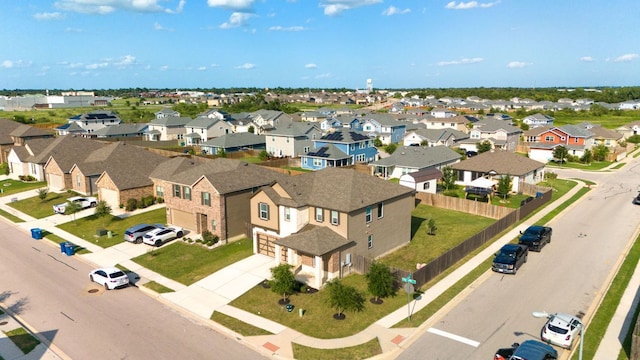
314	240
502	162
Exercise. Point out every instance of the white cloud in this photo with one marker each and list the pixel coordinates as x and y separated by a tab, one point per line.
626	58
392	10
73	30
7	64
517	64
202	68
108	6
290	28
94	66
246	66
49	16
126	60
164	68
335	7
587	59
237	19
323	76
235	5
461	61
470	5
310	66
158	27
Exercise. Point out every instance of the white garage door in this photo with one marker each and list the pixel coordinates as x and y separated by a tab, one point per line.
56	183
112	197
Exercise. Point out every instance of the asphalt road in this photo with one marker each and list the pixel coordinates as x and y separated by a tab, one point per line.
569	275
50	291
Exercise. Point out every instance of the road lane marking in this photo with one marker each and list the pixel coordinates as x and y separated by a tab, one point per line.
454	337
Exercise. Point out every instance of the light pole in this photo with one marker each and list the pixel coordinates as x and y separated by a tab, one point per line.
544	314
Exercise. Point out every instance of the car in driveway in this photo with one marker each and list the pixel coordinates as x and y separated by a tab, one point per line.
561	329
510	258
535	237
159	236
83	202
528	350
136	233
110	277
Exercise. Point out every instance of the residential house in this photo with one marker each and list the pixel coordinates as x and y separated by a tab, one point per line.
216	114
267	120
292	140
442	113
313	116
425	180
213	195
242	123
460	123
233	142
166	113
203	128
21	159
318	222
603	136
533	134
168	128
342	147
385	127
627	130
408	159
13	133
128	130
496	164
500	134
575	138
89	122
537	120
60	158
500	117
433	137
330	123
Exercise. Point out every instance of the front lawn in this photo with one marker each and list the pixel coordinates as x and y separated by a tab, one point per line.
37	208
10	186
86	228
453	227
188	263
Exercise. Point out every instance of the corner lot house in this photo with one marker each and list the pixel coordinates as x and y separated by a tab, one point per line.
318	221
202	194
342	147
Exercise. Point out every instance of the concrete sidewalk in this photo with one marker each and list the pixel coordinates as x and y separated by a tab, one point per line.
217	290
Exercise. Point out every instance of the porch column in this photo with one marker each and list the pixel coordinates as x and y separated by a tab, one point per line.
277	255
319	272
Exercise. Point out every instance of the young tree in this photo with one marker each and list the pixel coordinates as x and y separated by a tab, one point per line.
586	157
380	282
560	153
431	227
283	281
504	185
222	153
72	208
263	155
484	146
102	210
391	148
42	193
600	152
448	177
343	298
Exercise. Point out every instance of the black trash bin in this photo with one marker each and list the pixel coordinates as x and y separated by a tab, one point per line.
69	249
36	233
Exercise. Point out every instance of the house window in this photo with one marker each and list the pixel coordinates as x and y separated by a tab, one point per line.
305	150
287	214
425	186
214	225
78	180
176	190
368	214
335	218
205	199
187	192
263	211
159	191
549	138
370	241
362	145
360	158
353	147
319	214
317	162
576	140
380	210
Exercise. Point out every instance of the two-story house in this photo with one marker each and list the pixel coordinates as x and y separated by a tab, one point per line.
203	128
433	137
537	120
385	127
292	140
214	195
342	147
500	134
167	128
459	122
233	142
318	222
575	138
87	123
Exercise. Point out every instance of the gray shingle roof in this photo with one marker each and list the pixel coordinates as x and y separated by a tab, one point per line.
502	162
68	150
314	240
426	174
171	121
124	129
419	157
294	129
6	127
234	140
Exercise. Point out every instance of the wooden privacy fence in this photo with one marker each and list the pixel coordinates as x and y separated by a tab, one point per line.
635	342
437	266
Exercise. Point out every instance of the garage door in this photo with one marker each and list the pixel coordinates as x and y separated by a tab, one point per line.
182	218
56	182
266	246
112	197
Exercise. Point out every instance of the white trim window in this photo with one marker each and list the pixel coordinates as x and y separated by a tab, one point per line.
335	217
319	214
263	211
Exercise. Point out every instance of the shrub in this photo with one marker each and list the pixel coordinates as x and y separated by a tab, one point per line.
209	238
159	200
147	201
132	204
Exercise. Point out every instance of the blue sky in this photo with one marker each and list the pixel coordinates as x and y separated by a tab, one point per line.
107	44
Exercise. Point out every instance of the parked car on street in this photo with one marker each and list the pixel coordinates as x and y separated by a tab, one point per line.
109	277
536	237
510	258
561	329
159	236
528	350
136	233
84	202
636	200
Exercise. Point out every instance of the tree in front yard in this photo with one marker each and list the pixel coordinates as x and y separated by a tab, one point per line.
504	185
560	153
343	298
380	282
72	208
102	210
484	146
283	281
600	152
42	194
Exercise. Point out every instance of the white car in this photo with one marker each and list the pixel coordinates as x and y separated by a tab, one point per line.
561	329
109	277
84	202
161	235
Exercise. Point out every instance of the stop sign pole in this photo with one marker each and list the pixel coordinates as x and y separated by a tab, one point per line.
408	288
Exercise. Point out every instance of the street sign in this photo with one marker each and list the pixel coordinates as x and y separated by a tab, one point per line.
408	280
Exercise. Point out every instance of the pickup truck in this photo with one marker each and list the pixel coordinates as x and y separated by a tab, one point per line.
535	237
510	258
528	350
84	202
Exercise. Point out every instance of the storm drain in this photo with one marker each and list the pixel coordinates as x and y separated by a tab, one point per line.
3	323
93	291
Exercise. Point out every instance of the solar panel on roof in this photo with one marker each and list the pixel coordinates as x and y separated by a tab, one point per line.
320	153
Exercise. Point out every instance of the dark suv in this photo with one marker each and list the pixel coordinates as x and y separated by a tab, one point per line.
535	237
528	350
510	258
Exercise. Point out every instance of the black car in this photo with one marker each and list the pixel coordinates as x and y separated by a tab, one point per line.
471	153
636	200
510	258
529	350
535	237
